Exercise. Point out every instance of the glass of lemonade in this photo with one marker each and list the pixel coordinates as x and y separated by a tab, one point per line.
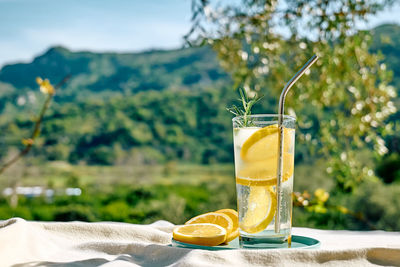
256	140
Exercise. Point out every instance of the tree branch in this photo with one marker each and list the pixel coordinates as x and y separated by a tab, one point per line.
36	129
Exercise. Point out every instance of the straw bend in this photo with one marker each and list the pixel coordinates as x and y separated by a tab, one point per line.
294	79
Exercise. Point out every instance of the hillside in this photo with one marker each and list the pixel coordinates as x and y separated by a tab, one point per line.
387	40
102	73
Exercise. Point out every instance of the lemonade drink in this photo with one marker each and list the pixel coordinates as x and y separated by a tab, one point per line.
256	160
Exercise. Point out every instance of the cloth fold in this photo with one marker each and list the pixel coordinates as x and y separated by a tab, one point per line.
29	243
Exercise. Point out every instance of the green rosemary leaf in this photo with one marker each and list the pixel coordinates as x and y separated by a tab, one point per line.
247	105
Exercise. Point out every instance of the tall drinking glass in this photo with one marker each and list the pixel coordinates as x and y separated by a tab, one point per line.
256	141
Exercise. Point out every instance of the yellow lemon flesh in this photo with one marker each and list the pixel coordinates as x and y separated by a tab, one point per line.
259	155
235	219
263	144
220	219
205	234
260	211
263	173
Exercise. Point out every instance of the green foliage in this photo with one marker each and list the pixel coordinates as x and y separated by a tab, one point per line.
8	212
342	104
379	204
374	205
145	128
101	155
73	212
116	211
388	168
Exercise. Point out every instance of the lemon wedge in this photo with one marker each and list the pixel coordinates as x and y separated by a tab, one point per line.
260	211
205	234
235	219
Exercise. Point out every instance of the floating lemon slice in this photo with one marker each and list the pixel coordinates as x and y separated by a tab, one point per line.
263	173
263	144
220	219
205	234
260	211
260	157
235	219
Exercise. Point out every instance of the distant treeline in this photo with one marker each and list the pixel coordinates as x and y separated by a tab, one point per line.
151	127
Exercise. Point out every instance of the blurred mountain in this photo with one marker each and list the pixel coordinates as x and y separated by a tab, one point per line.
114	72
386	39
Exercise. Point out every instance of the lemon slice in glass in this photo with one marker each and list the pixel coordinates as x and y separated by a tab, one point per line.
259	154
260	211
263	144
263	173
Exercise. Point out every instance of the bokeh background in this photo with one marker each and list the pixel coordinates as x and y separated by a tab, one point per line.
140	131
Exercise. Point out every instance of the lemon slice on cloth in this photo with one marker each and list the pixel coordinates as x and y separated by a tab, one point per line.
235	219
205	234
263	173
263	144
260	211
220	219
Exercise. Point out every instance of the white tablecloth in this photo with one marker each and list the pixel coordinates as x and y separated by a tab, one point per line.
26	243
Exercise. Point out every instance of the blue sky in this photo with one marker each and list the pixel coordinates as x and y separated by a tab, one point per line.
29	27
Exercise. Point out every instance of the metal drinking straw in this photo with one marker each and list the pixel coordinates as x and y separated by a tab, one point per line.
280	137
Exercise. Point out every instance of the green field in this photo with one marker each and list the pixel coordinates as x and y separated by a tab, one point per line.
137	194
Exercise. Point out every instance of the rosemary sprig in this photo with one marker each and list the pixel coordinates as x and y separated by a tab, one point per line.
245	111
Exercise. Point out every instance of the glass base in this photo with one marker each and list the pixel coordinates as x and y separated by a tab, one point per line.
265	239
